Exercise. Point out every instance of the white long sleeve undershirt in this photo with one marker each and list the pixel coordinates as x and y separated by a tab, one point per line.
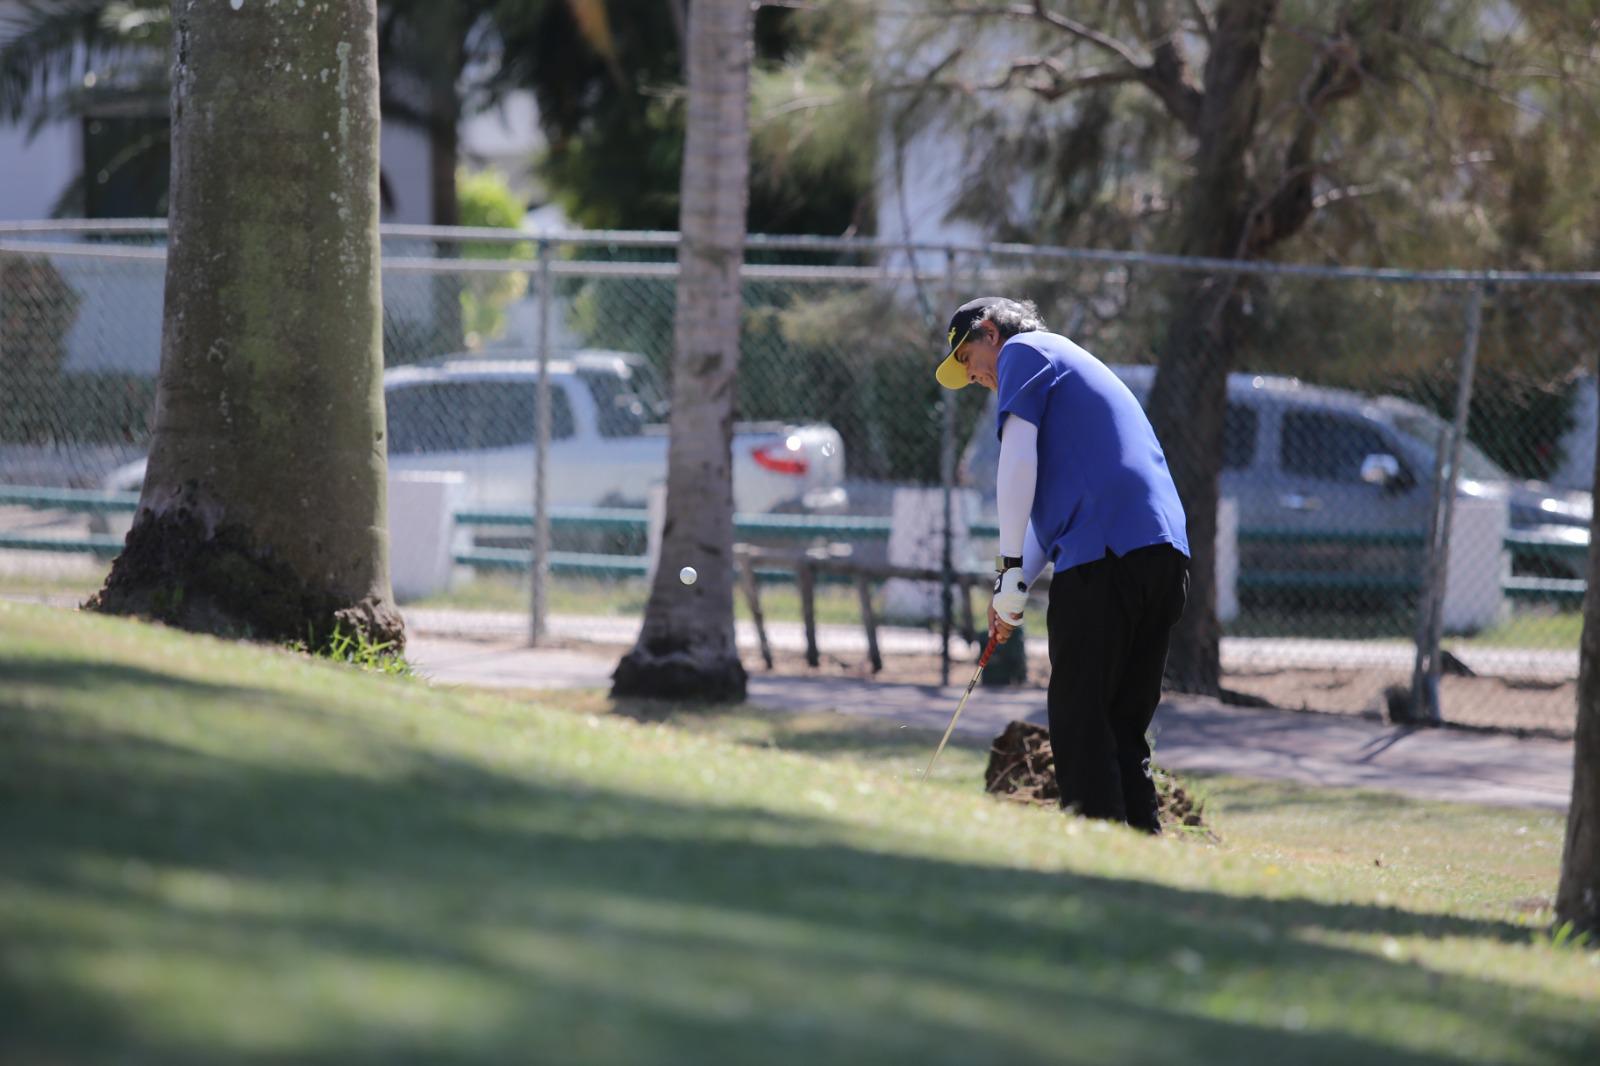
1033	556
1015	482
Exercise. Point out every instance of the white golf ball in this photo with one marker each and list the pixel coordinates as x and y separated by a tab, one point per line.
688	575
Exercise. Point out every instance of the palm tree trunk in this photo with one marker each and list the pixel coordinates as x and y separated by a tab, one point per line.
686	648
263	508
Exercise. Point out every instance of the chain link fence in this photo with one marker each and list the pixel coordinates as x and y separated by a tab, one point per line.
1406	458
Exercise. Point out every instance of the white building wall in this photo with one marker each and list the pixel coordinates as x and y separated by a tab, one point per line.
118	324
917	187
403	156
505	138
34	173
915	194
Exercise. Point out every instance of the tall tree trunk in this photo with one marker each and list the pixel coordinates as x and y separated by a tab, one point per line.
448	27
1187	404
686	648
444	156
1578	897
263	508
1190	393
449	331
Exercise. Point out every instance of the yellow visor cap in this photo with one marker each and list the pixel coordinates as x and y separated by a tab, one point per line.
951	374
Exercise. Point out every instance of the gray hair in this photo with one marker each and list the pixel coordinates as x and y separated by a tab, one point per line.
1011	317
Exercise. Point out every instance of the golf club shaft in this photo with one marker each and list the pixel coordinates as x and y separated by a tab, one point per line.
983	660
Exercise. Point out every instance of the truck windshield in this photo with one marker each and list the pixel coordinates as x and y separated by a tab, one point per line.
647	386
1428	428
621	411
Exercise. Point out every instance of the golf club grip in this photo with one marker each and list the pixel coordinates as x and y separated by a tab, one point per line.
983	660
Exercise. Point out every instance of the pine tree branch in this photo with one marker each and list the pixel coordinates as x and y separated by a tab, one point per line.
1167	75
1073	28
1336	75
1162	72
1051	81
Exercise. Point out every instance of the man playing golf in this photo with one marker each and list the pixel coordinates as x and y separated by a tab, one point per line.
1083	483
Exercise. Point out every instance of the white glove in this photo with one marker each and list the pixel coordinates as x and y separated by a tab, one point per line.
1010	596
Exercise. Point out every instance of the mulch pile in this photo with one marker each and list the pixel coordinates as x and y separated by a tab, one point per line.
1022	767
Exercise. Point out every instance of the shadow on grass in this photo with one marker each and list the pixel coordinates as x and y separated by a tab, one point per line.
584	922
880	742
864	738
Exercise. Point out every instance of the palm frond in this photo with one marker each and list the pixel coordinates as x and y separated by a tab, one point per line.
595	29
145	96
46	43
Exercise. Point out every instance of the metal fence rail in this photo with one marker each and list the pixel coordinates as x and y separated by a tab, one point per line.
854	530
509	354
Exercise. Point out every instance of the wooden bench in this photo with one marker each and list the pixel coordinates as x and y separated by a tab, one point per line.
808	566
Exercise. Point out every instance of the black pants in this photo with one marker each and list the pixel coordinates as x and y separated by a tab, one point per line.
1110	621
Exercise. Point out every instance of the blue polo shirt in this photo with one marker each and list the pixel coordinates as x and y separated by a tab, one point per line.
1103	479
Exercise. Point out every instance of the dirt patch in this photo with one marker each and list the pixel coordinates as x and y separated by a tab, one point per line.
1534	707
1022	768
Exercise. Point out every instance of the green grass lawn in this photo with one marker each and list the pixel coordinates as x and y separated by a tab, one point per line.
79	586
1534	628
1526	626
779	602
216	852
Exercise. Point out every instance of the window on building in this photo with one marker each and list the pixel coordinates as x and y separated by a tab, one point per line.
126	163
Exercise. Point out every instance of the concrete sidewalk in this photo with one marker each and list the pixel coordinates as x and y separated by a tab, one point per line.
1191	733
1238	653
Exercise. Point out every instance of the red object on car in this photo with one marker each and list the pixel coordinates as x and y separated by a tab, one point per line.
777	459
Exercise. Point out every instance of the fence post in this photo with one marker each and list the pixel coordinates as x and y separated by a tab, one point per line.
541	452
806	579
947	478
1425	703
1430	612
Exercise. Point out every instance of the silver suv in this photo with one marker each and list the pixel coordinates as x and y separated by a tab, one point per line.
1333	487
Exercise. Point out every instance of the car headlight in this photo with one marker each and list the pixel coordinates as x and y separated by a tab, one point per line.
1562	512
1547	512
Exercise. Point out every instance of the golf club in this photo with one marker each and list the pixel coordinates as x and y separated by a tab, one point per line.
983	660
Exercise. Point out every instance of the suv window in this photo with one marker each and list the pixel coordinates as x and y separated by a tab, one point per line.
620	412
1239	426
460	416
1330	447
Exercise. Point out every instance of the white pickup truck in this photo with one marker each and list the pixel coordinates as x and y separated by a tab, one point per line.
476	414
